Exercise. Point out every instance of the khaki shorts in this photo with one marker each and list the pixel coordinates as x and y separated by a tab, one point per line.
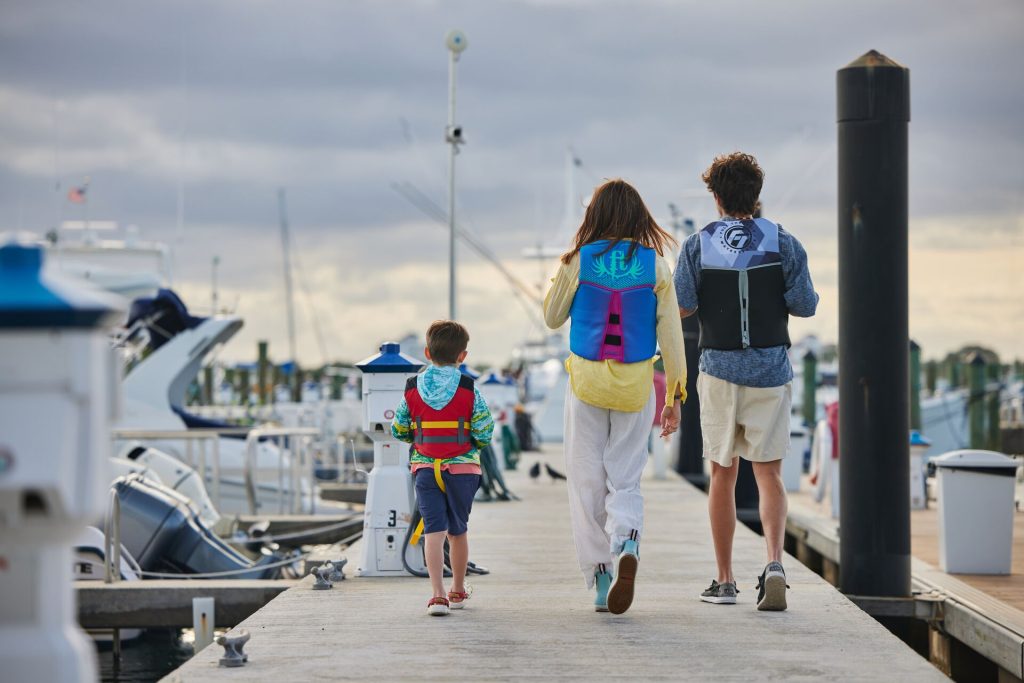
749	422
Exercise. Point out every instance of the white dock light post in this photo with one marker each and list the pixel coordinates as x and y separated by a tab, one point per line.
456	42
389	494
58	390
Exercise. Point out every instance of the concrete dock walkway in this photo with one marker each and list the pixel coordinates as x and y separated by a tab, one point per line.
531	618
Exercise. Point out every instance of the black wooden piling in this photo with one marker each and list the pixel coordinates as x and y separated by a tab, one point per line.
873	103
915	385
690	463
262	367
976	399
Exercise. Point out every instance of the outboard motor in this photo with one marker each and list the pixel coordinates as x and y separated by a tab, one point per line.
163	532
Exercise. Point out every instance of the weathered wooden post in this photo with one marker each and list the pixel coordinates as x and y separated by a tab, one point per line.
208	385
261	372
976	399
244	388
915	385
296	382
931	376
873	103
337	381
955	374
993	437
810	388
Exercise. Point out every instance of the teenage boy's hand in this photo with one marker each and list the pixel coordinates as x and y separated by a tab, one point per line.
669	420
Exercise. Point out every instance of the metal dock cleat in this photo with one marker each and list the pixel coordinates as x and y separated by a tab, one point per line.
336	569
233	644
323	574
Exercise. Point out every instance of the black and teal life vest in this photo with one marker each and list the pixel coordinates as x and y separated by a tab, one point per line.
741	301
614	312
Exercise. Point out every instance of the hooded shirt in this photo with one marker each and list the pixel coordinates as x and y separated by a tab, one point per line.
437	386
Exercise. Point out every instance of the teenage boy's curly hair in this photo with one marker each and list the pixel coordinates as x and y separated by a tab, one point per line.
736	180
446	339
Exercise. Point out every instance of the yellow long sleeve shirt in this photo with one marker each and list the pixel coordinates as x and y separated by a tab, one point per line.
609	383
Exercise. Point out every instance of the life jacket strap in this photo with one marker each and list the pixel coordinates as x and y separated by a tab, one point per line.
461	437
415	538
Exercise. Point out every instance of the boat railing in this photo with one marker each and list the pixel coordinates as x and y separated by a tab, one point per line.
201	450
298	442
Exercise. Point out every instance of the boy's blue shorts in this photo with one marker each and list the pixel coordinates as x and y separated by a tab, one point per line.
447	511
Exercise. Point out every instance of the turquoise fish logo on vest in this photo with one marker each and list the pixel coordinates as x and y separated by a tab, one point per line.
613	265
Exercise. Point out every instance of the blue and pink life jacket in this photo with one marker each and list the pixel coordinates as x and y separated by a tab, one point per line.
614	312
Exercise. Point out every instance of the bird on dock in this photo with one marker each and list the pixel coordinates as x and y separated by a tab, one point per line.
535	470
553	473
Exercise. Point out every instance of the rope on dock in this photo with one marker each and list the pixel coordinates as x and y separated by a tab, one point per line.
239	540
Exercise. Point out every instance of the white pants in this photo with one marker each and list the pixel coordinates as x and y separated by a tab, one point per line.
605	455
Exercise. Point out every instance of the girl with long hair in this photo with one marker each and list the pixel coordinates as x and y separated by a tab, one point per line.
616	287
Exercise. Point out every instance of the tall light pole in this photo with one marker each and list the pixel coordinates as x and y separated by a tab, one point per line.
456	42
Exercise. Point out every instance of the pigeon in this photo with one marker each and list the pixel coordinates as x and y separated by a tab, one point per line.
553	473
535	470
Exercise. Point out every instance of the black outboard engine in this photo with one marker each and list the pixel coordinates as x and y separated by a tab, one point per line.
163	532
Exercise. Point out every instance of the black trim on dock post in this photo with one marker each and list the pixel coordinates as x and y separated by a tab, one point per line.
873	109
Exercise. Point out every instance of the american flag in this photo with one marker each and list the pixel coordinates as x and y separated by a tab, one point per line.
76	195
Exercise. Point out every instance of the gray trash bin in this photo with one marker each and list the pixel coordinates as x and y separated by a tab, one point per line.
975	511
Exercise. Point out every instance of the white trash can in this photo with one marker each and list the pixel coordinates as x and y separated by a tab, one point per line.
918	446
793	463
975	511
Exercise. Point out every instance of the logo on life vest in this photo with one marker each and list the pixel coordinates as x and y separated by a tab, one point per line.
737	237
613	265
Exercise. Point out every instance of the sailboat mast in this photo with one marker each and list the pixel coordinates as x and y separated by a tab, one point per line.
286	255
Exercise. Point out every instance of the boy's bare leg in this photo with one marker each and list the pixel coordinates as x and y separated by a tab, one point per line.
773	505
434	552
722	510
458	551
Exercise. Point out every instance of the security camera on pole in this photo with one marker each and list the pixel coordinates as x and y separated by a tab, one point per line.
58	395
456	42
389	491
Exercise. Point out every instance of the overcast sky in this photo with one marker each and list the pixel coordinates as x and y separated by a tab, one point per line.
336	101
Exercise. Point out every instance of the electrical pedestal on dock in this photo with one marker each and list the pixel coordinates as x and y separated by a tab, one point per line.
58	391
389	493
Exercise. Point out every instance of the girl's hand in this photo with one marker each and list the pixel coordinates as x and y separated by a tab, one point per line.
669	420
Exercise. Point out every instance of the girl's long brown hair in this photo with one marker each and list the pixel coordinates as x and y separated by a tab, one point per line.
616	212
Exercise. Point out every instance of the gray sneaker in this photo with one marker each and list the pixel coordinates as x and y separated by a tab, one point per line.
771	588
720	593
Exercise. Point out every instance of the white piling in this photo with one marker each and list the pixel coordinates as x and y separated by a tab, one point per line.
202	622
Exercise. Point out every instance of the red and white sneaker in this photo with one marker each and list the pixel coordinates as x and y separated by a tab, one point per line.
437	607
458	600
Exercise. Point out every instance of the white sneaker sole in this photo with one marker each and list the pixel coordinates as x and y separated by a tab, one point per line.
600	608
774	599
437	611
718	601
458	605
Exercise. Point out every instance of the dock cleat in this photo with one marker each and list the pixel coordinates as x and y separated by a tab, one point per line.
602	582
620	594
771	588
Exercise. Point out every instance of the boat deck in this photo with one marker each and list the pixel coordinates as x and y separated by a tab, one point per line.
532	618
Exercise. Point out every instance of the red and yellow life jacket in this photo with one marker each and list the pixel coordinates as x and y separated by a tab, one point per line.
444	433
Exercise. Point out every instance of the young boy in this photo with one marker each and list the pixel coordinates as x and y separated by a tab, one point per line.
744	276
445	419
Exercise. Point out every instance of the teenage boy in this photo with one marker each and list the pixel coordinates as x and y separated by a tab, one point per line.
447	421
744	277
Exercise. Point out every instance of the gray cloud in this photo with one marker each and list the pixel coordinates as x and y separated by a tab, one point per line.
338	100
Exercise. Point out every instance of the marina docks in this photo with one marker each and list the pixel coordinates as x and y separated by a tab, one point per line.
965	613
532	618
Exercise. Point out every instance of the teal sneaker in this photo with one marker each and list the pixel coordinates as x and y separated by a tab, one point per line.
602	581
620	595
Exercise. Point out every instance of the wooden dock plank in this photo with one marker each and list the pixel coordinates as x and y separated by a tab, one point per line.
533	619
